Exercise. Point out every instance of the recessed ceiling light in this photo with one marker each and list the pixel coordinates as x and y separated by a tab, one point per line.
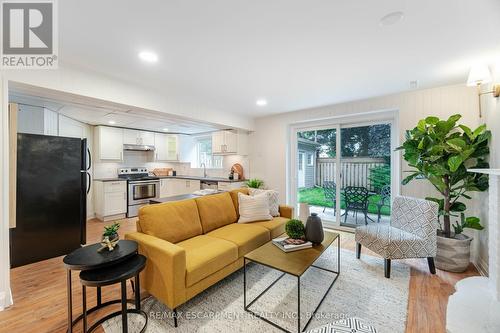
148	56
391	18
261	102
111	122
165	129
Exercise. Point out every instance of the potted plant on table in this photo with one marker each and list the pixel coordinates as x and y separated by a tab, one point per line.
254	183
441	152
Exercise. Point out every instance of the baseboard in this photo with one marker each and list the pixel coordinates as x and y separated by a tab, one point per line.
482	267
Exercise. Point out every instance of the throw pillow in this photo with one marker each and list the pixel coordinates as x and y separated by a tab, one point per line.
274	202
253	208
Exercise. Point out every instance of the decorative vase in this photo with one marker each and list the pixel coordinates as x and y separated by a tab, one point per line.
453	254
109	242
303	212
314	229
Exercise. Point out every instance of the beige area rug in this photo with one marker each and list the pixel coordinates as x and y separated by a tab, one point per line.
360	291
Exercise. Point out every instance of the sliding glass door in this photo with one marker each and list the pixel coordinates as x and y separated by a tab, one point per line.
343	172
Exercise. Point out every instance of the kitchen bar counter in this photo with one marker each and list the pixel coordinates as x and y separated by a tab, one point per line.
110	180
210	179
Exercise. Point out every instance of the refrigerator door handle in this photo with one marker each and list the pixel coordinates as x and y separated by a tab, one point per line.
89	182
90	159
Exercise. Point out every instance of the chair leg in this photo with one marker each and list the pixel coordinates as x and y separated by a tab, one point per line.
358	250
378	213
324	209
175	317
387	268
345	215
432	268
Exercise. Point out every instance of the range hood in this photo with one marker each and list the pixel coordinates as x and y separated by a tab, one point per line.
139	147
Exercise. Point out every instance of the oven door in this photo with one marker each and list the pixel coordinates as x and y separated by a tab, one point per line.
141	192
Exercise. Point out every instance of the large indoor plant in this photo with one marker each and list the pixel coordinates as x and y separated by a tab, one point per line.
441	151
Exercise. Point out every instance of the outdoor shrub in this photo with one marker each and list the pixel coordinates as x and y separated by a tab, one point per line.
380	176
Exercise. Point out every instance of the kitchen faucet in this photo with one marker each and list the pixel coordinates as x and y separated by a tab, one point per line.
204	170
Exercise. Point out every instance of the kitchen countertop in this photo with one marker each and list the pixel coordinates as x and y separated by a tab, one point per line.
178	198
210	179
116	179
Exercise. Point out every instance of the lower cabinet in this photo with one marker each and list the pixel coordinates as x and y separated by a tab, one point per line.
172	186
111	199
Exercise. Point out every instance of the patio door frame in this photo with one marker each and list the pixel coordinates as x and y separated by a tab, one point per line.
390	117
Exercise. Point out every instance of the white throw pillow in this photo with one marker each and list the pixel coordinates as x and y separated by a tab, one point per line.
253	208
274	202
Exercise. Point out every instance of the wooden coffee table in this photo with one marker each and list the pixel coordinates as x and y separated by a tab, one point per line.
292	263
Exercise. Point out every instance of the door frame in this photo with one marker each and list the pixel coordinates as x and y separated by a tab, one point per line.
360	119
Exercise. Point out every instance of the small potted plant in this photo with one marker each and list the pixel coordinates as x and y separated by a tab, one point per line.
441	152
254	183
110	236
295	229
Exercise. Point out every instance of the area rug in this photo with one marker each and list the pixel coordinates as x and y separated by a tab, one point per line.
360	291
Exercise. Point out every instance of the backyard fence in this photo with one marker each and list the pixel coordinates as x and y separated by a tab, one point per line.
355	171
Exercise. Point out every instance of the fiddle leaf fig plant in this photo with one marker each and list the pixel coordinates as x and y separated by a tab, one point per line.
441	151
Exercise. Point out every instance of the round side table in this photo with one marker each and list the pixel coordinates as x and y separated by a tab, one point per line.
86	258
118	273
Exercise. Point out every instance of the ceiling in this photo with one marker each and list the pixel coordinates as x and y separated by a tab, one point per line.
227	54
96	112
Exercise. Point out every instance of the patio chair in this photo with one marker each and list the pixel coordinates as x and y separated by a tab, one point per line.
385	200
356	199
330	190
411	234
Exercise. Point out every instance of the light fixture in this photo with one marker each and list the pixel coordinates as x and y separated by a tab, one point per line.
261	102
111	122
391	18
148	56
479	75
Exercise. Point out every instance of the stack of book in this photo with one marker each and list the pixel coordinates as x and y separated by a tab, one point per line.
287	244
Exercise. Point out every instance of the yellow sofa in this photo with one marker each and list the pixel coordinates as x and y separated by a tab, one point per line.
192	244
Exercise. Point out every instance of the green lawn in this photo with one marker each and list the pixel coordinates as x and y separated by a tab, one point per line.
315	196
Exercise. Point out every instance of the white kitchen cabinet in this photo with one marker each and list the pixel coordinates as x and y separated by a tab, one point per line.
229	186
135	137
111	199
229	143
173	186
109	143
166	147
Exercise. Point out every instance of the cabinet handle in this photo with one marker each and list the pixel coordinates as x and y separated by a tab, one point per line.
121	155
157	156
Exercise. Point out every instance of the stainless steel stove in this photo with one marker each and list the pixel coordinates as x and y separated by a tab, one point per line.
141	188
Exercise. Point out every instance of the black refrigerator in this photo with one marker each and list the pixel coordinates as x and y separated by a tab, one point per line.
53	181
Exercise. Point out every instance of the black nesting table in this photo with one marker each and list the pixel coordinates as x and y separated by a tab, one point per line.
88	259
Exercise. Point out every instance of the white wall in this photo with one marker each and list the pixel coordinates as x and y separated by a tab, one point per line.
270	141
491	117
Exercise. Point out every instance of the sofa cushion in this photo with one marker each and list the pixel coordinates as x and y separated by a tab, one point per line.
253	208
206	255
234	197
171	221
273	197
276	226
216	211
247	237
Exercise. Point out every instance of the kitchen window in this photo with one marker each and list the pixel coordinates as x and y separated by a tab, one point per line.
204	154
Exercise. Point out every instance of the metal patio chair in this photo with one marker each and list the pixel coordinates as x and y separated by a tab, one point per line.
330	190
385	200
356	200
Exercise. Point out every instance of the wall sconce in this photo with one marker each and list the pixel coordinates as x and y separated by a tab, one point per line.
478	75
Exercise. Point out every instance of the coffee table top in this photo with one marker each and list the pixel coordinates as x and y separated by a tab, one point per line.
87	257
294	263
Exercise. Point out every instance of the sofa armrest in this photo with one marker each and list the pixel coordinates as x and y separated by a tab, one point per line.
286	211
165	272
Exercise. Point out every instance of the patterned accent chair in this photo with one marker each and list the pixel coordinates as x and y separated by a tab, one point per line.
411	234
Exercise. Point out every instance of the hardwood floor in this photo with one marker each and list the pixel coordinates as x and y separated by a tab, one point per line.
39	292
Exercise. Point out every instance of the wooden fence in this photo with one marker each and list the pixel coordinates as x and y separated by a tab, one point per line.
355	171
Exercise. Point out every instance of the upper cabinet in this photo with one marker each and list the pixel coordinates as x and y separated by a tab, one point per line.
229	143
109	143
166	147
134	137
